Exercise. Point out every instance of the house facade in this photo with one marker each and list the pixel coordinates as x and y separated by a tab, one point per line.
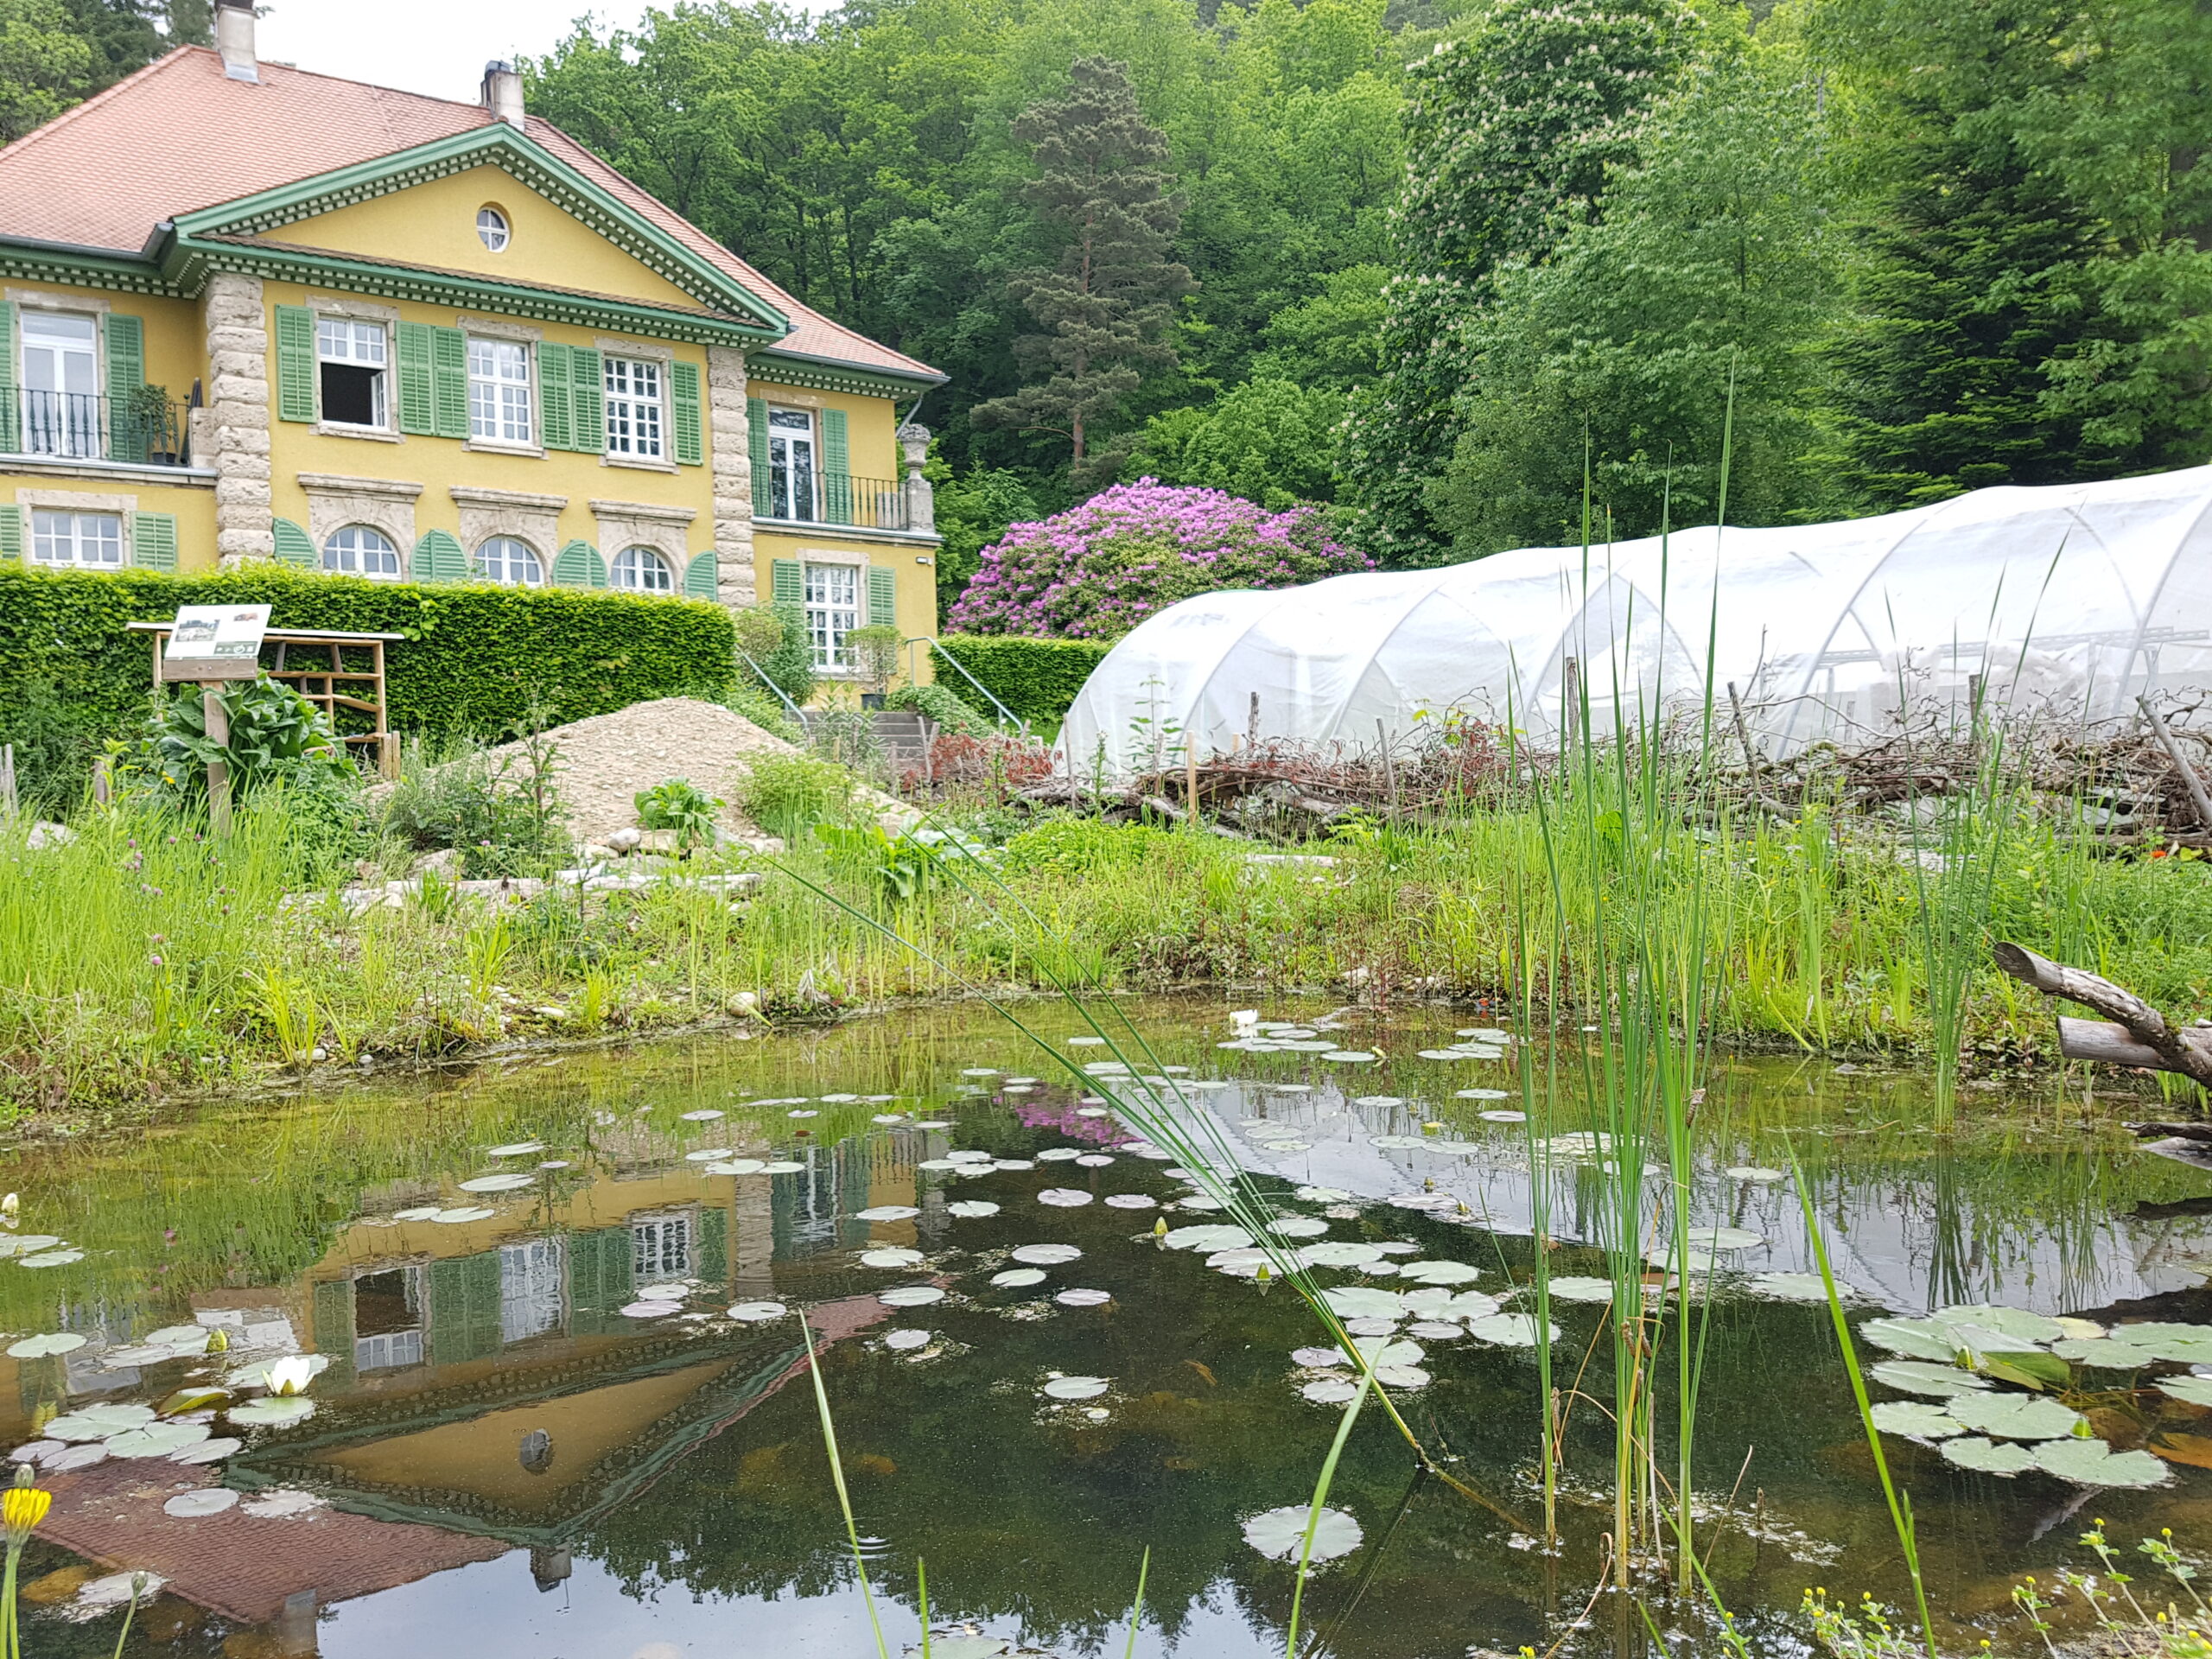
251	312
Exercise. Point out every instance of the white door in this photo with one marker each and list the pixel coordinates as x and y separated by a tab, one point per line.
791	464
61	407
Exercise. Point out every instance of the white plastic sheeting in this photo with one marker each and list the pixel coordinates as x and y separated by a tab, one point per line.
2071	598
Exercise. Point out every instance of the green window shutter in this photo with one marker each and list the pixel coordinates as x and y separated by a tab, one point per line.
836	469
153	541
684	412
882	595
464	1307
599	1267
787	583
11	532
710	1260
438	557
8	406
554	425
294	363
578	565
756	449
449	381
126	380
333	1330
702	576
293	546
418	402
587	417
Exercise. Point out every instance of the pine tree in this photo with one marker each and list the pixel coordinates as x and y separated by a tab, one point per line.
1509	133
1104	306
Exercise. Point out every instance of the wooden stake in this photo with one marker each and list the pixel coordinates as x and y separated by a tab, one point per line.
1252	724
8	796
1191	778
1743	736
388	756
103	780
1570	720
219	773
1390	770
2197	797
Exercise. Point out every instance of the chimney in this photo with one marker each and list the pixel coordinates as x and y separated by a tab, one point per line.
503	91
234	39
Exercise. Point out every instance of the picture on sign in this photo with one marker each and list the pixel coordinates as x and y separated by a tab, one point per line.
218	633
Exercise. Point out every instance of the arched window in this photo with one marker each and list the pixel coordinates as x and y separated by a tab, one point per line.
643	571
503	558
358	551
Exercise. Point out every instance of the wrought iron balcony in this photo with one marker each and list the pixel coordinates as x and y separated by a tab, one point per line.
79	426
842	499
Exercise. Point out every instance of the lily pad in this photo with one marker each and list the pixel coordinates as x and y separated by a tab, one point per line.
1988	1457
1299	1227
1059	1154
649	1308
1920	1376
1915	1339
1131	1201
55	1258
910	1296
1724	1238
2191	1390
1317	1356
157	1440
1075	1388
1496	1115
1064	1197
1510	1330
757	1313
1018	1278
2092	1463
2015	1416
463	1215
1213	1236
1338	1252
1280	1534
1349	1056
887	1212
56	1342
2103	1354
1793	1287
508	1183
272	1413
1322	1194
516	1149
1362	1302
1439	1273
208	1500
972	1209
1401	1376
1576	1287
1754	1173
1329	1390
212	1450
1434	1331
2011	1321
1916	1418
892	1258
76	1457
904	1341
1050	1255
782	1166
1081	1298
704	1114
709	1154
736	1167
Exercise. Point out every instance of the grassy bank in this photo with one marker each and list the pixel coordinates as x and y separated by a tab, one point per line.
143	957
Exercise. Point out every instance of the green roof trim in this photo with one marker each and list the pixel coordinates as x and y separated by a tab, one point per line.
766	365
495	145
37	262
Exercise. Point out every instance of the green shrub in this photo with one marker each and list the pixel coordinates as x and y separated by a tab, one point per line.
474	659
761	708
276	734
1036	678
785	793
781	649
503	814
681	806
1072	846
942	708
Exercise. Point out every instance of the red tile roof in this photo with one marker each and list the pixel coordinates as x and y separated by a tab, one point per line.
180	135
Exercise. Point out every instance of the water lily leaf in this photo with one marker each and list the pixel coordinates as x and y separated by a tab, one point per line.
1058	1154
516	1149
1401	1376
208	1500
893	1258
1362	1301
1793	1287
2092	1463
2192	1390
1389	1350
2013	1321
1211	1236
737	1167
1579	1287
1050	1255
1916	1418
2036	1370
1349	1056
508	1183
782	1166
156	1441
649	1308
212	1450
27	1243
910	1296
1914	1338
1338	1252
1329	1390
76	1457
972	1209
1064	1197
1019	1278
2015	1416
1299	1227
1131	1201
54	1258
1491	1094
704	1114
1439	1273
57	1342
963	1646
459	1216
1918	1377
192	1399
1075	1388
887	1212
1094	1160
1080	1298
422	1212
1724	1238
1280	1534
272	1413
709	1154
757	1313
1510	1330
1243	1264
1988	1457
1754	1173
2185	1344
1318	1357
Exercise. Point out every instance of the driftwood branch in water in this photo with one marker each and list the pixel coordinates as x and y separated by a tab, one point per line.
2132	1033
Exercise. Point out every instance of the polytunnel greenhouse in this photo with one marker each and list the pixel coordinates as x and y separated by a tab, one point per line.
2069	599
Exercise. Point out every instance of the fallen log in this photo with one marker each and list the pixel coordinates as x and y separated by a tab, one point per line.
2132	1033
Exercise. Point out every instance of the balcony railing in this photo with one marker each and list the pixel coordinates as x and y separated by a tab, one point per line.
845	498
79	426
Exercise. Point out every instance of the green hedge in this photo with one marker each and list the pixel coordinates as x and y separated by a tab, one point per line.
475	658
1036	678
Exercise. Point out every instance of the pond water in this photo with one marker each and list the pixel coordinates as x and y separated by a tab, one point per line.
539	1428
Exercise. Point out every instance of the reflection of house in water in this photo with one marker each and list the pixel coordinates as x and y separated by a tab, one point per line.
485	1387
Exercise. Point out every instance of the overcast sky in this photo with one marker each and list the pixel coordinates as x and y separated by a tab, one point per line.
438	47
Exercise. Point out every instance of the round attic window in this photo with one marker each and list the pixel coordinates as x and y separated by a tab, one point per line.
491	228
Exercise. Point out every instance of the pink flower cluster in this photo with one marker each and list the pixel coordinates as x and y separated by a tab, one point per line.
1095	571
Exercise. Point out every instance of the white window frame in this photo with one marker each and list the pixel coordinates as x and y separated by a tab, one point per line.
60	539
499	567
357	343
813	439
493	228
830	617
661	1246
630	564
359	552
634	390
502	409
73	428
533	1289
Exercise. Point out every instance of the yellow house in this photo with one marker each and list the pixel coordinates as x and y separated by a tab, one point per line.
253	312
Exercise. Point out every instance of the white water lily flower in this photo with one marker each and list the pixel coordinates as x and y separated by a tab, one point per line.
291	1376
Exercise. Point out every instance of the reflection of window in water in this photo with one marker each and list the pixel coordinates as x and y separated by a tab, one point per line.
388	1319
530	1280
661	1247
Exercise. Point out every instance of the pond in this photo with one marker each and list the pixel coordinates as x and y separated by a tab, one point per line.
562	1410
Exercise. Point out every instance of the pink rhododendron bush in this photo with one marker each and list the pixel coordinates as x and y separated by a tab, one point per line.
1095	571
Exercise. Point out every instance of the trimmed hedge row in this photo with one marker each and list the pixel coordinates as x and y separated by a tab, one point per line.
1036	678
475	657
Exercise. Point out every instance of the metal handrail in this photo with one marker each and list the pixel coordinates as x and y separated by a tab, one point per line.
84	426
798	713
850	500
1005	713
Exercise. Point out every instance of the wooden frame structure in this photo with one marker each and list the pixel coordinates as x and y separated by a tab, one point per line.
321	686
